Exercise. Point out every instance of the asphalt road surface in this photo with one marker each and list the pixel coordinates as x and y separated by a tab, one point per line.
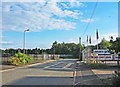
53	73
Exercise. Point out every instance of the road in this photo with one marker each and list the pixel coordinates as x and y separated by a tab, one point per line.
53	73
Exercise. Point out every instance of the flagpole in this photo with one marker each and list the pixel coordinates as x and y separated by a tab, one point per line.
97	36
97	44
87	41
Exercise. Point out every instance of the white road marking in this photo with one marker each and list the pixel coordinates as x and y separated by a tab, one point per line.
52	65
68	65
74	75
59	68
8	70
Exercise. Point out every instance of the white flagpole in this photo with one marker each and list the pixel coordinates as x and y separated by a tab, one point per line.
97	44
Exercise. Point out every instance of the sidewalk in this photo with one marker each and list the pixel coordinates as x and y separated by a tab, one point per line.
104	73
85	76
11	67
3	67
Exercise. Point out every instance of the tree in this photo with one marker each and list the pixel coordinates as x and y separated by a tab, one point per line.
116	45
104	44
67	48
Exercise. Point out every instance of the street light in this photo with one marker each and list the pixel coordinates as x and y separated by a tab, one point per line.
24	40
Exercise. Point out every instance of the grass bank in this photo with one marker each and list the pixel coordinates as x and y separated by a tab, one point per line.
100	66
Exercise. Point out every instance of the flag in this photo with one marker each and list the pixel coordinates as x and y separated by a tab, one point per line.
79	40
87	38
90	39
97	36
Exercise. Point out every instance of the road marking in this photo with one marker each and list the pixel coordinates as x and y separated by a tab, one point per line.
68	65
7	70
74	75
52	65
59	68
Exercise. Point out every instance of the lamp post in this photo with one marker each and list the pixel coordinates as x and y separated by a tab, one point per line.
24	40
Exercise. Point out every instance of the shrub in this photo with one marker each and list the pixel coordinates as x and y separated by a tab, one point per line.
20	58
14	60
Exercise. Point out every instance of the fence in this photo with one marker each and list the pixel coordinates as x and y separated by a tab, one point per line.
86	54
35	57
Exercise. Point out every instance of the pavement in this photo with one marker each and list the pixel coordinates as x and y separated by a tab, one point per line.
52	73
104	73
85	76
61	72
4	67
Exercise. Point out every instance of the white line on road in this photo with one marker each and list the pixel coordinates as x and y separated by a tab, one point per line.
68	65
74	75
52	65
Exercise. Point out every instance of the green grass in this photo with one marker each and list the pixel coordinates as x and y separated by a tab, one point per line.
97	65
100	66
107	81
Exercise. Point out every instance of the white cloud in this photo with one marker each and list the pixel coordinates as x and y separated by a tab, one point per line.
73	40
6	43
37	16
52	7
106	36
87	20
60	0
75	3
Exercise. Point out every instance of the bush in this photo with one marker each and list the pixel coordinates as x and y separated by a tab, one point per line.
20	58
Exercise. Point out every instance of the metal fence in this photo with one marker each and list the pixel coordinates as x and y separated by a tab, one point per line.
34	56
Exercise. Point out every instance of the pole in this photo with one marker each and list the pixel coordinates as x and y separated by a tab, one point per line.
97	44
24	42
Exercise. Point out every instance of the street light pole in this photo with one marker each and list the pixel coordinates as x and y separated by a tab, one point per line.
24	41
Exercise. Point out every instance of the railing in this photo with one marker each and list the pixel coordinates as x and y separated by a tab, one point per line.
35	57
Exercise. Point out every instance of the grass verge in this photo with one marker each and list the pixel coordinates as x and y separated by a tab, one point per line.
97	65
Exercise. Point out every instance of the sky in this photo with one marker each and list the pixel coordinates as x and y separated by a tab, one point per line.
50	21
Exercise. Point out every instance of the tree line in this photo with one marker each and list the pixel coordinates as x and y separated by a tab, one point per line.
69	48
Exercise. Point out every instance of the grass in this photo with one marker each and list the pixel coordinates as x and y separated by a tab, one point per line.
97	65
114	81
38	60
107	81
100	65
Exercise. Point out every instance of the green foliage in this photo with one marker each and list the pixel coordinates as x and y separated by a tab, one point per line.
20	58
67	48
104	44
96	65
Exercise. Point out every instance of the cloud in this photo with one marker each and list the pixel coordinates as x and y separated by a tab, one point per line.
75	3
106	36
87	20
18	16
6	43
